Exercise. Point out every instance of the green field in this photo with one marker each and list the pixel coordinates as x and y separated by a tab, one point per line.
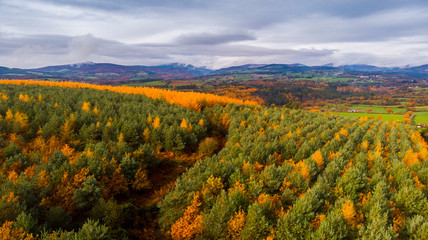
334	79
154	83
378	109
14	74
385	117
397	112
326	79
187	84
421	117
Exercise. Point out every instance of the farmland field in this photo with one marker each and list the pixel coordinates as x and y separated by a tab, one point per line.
385	117
421	113
421	117
153	83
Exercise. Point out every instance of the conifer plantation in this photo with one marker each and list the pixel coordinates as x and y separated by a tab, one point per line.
81	161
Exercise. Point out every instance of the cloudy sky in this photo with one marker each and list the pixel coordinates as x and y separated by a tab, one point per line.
213	33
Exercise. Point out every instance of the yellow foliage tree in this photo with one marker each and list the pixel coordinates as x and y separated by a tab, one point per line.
365	145
344	132
348	210
317	221
9	116
201	122
212	187
121	138
398	219
156	123
96	111
43	179
146	134
67	128
22	120
410	157
69	152
189	226
3	97
12	176
235	225
30	171
350	213
303	169
86	106
8	232
183	123
378	149
25	98
63	193
317	156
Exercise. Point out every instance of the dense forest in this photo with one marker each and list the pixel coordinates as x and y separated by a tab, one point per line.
309	93
77	159
290	174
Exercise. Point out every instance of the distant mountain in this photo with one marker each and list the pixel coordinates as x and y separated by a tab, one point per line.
87	67
170	71
180	68
270	69
420	68
11	71
237	69
417	72
114	73
367	68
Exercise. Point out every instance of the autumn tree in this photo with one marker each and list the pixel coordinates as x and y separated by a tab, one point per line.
189	225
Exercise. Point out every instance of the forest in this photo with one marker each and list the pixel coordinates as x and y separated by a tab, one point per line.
81	161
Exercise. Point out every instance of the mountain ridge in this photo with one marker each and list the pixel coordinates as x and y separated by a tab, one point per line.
177	71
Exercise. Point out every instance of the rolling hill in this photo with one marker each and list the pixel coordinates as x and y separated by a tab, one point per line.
114	73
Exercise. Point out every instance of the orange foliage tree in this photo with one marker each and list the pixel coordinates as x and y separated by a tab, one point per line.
8	232
317	156
190	224
191	100
63	194
235	225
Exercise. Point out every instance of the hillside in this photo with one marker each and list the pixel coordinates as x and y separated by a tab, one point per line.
108	73
77	159
195	101
289	174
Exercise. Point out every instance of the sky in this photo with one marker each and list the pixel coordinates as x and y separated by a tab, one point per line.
213	34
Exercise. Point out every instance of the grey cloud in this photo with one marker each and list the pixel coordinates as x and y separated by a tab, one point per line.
390	25
88	47
353	8
152	31
246	51
49	44
213	38
247	14
131	5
